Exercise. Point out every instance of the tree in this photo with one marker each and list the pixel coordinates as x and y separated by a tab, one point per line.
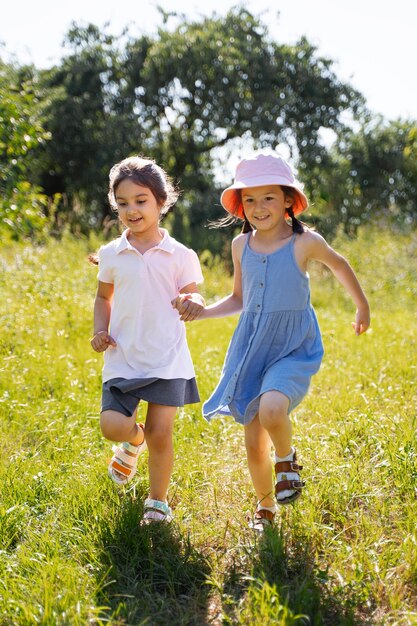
369	172
383	162
23	208
206	83
84	114
180	97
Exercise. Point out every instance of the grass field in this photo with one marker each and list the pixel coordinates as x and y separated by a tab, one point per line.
71	548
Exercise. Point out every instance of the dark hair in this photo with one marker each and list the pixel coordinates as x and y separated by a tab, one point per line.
247	226
147	173
297	225
144	172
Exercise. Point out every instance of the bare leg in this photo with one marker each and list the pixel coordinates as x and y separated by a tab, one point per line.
159	428
258	450
273	416
117	427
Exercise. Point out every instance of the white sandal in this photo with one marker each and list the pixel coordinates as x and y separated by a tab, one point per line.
156	511
122	466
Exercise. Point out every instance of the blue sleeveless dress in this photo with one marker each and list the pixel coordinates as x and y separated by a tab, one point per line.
277	343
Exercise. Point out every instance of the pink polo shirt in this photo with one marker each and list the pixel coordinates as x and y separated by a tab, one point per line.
150	337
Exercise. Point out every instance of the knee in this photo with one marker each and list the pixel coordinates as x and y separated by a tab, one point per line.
273	411
115	426
272	418
158	438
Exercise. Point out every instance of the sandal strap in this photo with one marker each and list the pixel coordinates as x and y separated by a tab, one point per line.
287	466
126	459
264	514
122	469
262	518
282	485
122	466
157	505
130	447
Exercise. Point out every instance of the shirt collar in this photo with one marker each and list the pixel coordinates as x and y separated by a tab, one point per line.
167	243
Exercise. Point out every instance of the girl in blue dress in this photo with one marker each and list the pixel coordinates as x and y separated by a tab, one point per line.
276	347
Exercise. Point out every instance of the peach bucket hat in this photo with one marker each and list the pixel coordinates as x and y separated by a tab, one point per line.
263	169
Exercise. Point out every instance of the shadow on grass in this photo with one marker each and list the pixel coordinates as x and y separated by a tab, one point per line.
153	573
281	572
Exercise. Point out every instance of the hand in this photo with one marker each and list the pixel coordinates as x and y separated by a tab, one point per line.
363	320
101	341
189	306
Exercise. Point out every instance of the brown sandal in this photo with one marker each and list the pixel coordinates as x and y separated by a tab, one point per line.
261	519
281	467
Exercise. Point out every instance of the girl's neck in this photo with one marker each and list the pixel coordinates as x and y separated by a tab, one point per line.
271	240
145	241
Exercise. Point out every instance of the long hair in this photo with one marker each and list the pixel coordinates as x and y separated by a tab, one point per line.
297	225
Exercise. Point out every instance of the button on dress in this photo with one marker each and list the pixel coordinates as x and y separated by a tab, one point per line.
277	343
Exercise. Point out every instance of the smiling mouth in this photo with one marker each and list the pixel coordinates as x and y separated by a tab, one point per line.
135	220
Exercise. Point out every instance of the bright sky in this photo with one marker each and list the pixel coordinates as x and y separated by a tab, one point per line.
372	42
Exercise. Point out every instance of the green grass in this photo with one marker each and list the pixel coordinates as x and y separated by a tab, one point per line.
71	549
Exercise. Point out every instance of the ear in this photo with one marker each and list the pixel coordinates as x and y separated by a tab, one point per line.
289	201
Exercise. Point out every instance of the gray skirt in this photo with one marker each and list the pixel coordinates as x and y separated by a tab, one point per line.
123	395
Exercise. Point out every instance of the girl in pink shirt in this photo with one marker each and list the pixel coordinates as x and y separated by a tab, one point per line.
146	356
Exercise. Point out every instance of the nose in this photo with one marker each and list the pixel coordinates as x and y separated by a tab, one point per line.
259	205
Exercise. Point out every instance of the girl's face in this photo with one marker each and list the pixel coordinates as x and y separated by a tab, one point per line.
137	207
265	206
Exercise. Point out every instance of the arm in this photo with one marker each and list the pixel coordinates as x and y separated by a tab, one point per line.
102	310
318	249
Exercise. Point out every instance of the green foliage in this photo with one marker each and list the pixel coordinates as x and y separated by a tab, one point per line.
190	96
24	209
207	83
369	173
180	97
71	548
383	167
27	212
20	130
87	133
